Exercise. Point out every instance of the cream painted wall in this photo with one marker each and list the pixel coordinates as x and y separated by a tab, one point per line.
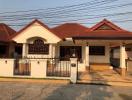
117	53
36	30
6	67
101	59
92	59
33	32
38	68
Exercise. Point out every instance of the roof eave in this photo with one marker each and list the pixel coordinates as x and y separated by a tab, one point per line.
101	38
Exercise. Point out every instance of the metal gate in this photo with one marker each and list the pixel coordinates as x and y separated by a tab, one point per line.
22	67
58	68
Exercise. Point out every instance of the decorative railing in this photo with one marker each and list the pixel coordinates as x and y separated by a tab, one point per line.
58	68
22	67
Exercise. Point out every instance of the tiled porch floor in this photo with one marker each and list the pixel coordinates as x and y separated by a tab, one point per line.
105	76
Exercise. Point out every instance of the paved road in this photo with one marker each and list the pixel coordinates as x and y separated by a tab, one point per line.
38	91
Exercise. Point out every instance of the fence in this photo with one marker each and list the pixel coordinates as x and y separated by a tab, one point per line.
22	67
35	68
58	68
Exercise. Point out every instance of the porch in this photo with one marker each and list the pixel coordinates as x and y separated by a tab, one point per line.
103	77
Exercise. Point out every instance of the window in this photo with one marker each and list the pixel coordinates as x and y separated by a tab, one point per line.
128	49
96	50
3	49
67	51
38	47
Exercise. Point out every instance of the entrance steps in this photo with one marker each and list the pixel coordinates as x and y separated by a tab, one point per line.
100	67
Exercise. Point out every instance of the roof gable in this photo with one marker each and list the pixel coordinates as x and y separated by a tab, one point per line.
35	29
30	24
106	25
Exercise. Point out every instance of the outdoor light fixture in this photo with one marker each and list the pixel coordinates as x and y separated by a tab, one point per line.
38	62
6	61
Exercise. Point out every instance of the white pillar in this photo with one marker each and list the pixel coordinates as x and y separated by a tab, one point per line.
50	50
73	70
122	56
87	56
24	50
122	60
53	51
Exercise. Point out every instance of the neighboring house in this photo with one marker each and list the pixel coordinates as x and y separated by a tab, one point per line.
5	33
90	45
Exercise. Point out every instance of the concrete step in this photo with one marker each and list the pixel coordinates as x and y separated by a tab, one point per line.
104	82
100	67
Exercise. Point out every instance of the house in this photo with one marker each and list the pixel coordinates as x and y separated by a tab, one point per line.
42	46
5	33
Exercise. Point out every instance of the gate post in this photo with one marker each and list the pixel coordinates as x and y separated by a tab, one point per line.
73	65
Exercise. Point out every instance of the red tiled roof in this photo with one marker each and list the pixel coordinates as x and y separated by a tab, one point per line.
5	32
69	30
42	24
106	34
115	33
74	30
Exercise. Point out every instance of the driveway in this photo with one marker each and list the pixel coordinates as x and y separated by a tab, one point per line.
42	91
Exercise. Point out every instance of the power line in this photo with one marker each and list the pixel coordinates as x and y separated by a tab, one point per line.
60	7
61	11
95	16
62	16
117	21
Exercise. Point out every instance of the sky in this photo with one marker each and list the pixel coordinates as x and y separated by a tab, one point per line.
22	5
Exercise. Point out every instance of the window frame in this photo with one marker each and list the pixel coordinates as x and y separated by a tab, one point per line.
97	50
38	47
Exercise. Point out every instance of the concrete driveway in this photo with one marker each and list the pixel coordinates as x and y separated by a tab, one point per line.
41	91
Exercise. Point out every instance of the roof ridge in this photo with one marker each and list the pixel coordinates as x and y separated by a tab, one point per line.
71	24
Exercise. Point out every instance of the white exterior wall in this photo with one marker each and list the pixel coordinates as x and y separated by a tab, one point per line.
38	68
36	30
116	54
101	59
6	67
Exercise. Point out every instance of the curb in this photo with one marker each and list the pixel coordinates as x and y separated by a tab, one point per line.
43	81
108	83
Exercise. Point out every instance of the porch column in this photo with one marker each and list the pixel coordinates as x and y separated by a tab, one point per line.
122	60
87	56
24	50
52	50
